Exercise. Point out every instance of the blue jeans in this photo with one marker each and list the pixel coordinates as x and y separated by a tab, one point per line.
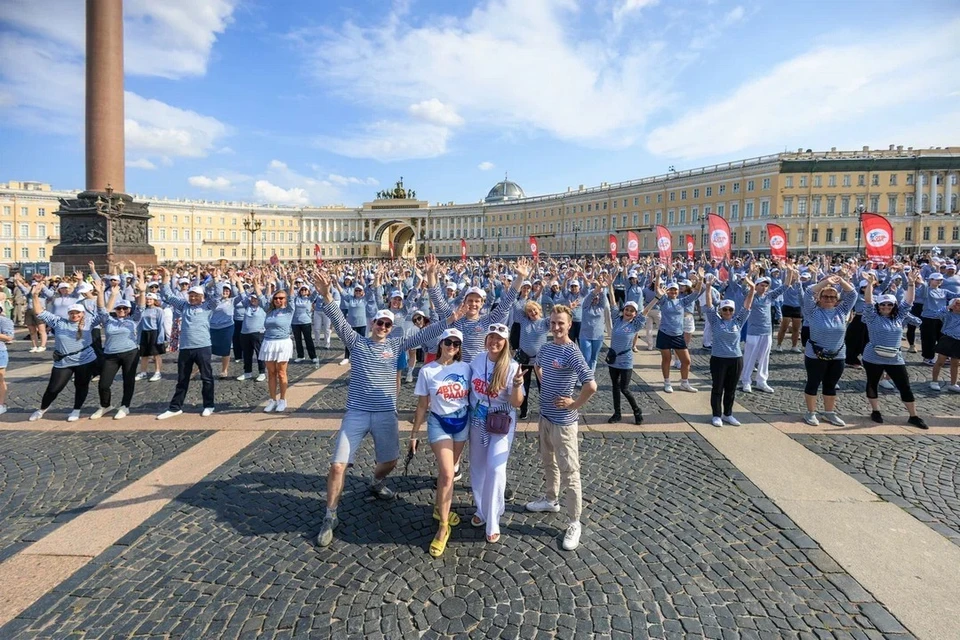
591	351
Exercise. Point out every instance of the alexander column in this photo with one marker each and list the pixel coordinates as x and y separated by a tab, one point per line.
103	223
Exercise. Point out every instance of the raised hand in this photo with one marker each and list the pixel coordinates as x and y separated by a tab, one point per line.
522	268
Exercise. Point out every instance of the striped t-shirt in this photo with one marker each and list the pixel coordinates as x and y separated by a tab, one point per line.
474	331
561	366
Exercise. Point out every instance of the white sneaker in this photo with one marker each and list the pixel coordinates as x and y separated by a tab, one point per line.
316	363
155	377
298	359
811	419
833	418
281	405
168	414
3	409
409	375
261	377
686	386
730	420
667	387
765	388
36	415
955	388
571	539
74	416
779	348
888	385
344	362
271	406
715	421
935	386
746	388
457	474
96	415
676	364
121	413
543	506
41	349
797	349
34	349
140	376
244	376
207	412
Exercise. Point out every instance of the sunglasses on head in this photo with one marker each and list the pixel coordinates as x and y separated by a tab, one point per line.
498	327
450	342
386	324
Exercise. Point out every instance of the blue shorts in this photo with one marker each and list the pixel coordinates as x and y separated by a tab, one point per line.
435	432
402	362
670	342
4	359
382	425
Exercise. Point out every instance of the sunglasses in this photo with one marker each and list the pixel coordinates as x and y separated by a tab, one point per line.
498	328
386	324
829	298
885	304
448	342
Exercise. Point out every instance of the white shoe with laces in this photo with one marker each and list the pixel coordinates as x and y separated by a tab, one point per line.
74	416
543	506
667	387
121	413
169	414
797	349
715	421
155	377
207	412
779	348
245	376
730	420
96	415
765	388
344	362
261	377
955	388
281	405
36	415
571	539
746	388
888	385
140	376
409	375
935	386
686	386
3	409
271	406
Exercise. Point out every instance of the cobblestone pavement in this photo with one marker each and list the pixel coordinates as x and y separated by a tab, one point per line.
150	397
920	474
49	478
681	546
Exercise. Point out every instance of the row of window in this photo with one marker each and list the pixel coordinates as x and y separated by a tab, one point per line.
892	179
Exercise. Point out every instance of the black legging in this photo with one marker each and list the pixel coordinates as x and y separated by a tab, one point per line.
237	340
620	379
930	332
575	331
804	335
95	333
60	376
898	374
515	336
826	372
250	347
725	373
527	373
855	340
304	333
346	352
127	362
917	310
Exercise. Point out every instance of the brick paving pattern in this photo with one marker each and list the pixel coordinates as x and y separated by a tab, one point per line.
680	546
49	478
920	474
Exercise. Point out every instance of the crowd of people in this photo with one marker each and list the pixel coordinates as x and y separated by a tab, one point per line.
485	331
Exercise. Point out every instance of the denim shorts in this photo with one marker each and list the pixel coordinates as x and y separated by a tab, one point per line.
435	432
382	425
402	361
4	359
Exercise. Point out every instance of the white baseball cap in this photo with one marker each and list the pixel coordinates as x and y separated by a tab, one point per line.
396	294
63	285
863	283
728	304
198	290
935	276
418	312
526	283
183	281
477	290
886	298
451	286
501	330
384	313
763	280
153	296
673	285
77	307
358	287
452	333
83	287
121	303
633	304
574	283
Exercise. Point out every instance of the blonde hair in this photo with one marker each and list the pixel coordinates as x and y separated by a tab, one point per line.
532	305
498	382
562	308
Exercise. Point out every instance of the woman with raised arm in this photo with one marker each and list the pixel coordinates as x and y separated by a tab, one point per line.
153	334
595	307
726	357
120	348
884	319
252	328
6	336
277	347
619	359
670	336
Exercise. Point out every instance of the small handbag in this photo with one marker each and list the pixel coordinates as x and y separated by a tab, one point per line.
822	353
521	357
612	355
497	423
886	352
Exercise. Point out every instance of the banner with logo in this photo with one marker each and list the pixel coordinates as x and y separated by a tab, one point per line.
690	243
777	238
633	246
534	248
274	260
391	249
613	247
878	234
316	254
719	237
664	244
463	249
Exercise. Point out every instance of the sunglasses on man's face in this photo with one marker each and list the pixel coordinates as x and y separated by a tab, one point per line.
386	324
447	342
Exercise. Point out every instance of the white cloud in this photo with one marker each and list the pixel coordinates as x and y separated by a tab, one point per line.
227	151
141	163
831	91
435	112
266	191
155	127
219	183
350	180
630	7
389	140
485	166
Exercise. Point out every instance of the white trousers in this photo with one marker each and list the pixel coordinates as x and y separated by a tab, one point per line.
756	351
488	475
707	330
321	329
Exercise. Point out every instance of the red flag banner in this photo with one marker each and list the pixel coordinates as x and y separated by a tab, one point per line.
719	237
664	244
274	260
690	242
463	249
878	236
391	249
633	246
534	248
316	254
777	238
613	247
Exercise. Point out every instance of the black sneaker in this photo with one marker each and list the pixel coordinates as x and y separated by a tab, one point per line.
614	418
638	417
876	417
382	492
918	422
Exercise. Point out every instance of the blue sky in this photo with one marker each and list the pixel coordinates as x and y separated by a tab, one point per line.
323	102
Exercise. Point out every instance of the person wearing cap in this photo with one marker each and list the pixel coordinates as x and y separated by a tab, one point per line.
826	311
934	299
559	365
884	318
221	324
303	303
443	392
194	345
153	337
648	293
856	337
371	405
496	386
791	317
277	346
37	330
670	336
355	306
805	280
322	329
183	287
594	309
533	335
624	329
572	298
708	283
121	350
756	350
252	330
429	350
73	355
948	347
7	330
951	281
726	357
516	310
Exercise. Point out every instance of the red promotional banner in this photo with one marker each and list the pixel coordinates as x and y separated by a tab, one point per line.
690	243
777	238
719	237
463	249
274	260
613	247
391	248
878	235
664	244
316	254
534	248
633	246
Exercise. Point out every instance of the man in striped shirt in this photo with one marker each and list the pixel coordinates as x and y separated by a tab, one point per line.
371	399
559	364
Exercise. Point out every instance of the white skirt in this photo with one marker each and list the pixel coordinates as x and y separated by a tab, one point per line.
276	350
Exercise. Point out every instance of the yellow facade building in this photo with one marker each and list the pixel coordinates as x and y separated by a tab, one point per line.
814	196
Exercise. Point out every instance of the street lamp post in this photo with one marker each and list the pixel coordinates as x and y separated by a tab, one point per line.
252	225
703	245
110	208
499	233
576	232
860	210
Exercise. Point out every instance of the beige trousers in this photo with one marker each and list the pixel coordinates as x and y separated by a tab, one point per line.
560	453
